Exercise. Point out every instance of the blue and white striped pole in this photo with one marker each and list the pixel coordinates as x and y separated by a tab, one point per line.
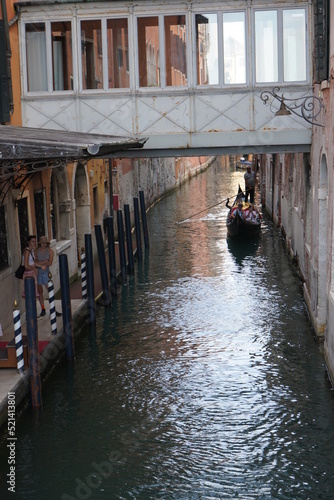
18	339
53	318
83	274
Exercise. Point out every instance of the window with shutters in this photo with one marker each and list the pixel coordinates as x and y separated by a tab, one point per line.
321	40
3	239
4	84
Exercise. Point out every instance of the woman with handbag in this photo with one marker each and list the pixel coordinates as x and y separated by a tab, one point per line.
44	257
31	266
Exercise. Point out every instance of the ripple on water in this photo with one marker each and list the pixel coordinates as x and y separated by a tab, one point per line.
203	376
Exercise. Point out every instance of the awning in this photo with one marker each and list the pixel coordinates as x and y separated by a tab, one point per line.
31	144
25	151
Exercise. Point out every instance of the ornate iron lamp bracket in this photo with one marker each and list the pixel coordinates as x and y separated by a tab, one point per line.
308	107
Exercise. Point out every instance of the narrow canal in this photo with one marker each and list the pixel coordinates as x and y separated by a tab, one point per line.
203	381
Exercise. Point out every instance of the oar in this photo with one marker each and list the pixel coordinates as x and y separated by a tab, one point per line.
206	209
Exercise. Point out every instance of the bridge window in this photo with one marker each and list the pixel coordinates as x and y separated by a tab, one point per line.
36	35
276	44
91	55
176	51
294	43
62	59
234	48
207	49
266	46
280	53
118	53
36	57
148	52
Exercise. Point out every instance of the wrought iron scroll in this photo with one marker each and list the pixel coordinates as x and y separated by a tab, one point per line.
306	107
10	168
16	174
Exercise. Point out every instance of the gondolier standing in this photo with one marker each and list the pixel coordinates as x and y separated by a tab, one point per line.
249	184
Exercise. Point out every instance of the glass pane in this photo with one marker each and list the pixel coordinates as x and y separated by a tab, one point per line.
266	61
294	43
36	57
62	61
207	49
148	52
91	55
176	50
118	53
234	48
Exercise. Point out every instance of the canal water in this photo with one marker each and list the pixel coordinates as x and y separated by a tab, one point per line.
203	381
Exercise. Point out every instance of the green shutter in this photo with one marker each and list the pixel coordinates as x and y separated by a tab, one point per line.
321	40
4	87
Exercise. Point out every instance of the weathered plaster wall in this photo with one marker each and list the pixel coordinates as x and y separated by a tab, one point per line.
156	176
286	196
329	338
326	147
306	204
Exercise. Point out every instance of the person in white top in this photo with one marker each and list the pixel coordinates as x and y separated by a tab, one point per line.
252	214
30	264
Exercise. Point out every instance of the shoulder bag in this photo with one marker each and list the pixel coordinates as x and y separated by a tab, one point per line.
20	270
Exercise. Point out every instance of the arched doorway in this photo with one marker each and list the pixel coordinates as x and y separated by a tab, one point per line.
82	212
60	210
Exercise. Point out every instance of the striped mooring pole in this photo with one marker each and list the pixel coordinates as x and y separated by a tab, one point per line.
53	318
90	279
83	274
18	338
32	336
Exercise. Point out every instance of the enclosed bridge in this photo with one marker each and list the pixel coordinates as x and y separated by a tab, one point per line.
189	77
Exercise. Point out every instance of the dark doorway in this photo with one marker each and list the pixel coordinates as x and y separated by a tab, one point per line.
22	207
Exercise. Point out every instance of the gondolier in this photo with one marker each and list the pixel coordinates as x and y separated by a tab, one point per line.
249	184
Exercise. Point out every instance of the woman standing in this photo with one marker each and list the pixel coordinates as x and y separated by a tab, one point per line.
30	264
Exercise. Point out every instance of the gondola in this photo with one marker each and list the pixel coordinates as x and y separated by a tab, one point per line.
240	222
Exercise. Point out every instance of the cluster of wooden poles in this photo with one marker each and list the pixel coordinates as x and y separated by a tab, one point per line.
126	255
109	289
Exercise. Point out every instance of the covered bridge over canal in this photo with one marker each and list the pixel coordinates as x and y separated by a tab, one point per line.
191	77
194	78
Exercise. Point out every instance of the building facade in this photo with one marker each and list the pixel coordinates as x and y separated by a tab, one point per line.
298	193
60	185
123	68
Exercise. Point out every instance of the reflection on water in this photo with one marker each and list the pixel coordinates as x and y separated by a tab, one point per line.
243	248
203	380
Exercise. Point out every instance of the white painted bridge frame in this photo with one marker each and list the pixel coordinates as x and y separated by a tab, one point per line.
176	121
